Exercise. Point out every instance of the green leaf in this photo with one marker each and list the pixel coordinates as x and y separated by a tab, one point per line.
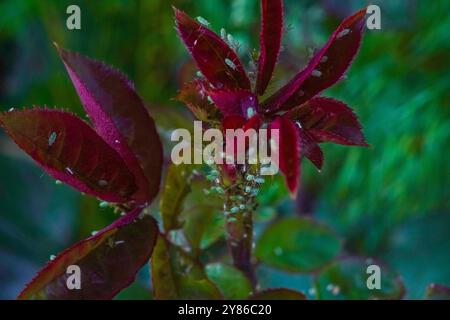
278	294
232	283
204	222
178	276
437	292
297	245
347	280
176	188
204	225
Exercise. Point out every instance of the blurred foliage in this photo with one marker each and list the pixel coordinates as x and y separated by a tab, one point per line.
389	201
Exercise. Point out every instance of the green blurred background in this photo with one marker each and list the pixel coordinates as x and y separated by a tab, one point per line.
390	201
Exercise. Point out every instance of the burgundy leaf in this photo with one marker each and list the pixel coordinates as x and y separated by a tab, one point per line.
270	41
254	122
120	117
108	261
238	122
215	59
194	94
310	149
288	151
233	122
235	102
325	68
71	151
329	120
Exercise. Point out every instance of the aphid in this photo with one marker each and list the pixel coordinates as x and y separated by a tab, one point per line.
223	34
57	182
343	33
230	64
248	189
278	251
260	180
11	109
102	183
234	210
250	112
219	190
312	291
242	206
52	138
103	204
93	233
316	73
230	39
52	257
203	21
336	290
250	177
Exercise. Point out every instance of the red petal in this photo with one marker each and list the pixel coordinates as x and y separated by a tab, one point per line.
270	41
211	54
120	117
235	102
325	69
108	261
70	151
329	120
289	151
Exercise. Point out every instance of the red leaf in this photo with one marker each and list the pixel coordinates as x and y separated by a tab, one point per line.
289	151
325	68
270	41
215	59
70	151
233	122
330	120
108	261
235	102
120	117
310	149
238	122
194	94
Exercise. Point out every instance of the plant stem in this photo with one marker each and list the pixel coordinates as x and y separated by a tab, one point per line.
239	229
